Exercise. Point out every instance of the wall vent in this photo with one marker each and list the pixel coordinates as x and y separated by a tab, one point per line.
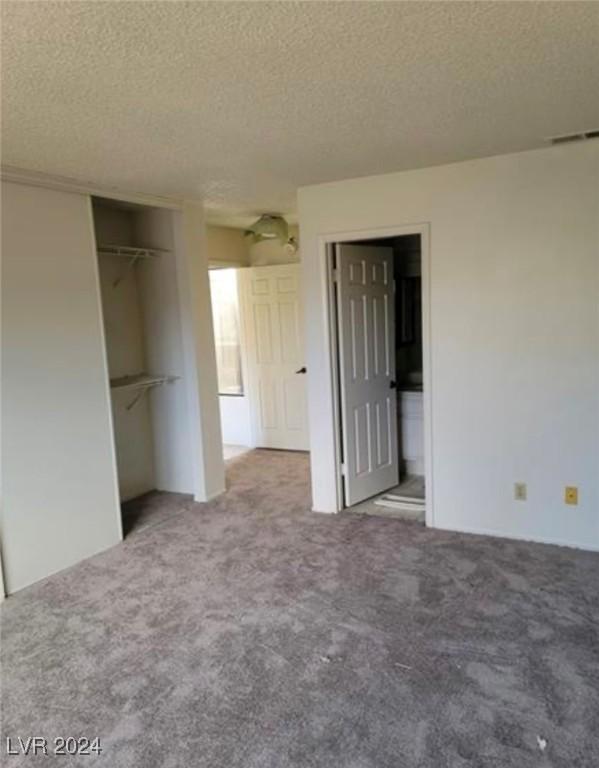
569	137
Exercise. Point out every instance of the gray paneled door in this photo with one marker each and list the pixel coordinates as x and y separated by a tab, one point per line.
366	323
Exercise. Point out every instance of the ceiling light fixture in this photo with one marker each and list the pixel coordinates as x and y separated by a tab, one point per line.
270	227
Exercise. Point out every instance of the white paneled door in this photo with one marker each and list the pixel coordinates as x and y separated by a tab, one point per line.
275	356
366	323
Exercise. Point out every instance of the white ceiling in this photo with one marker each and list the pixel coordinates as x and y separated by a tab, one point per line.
242	103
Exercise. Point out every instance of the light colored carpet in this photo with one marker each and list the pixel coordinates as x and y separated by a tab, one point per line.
252	633
152	508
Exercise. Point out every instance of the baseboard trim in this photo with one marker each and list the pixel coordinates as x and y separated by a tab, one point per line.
519	537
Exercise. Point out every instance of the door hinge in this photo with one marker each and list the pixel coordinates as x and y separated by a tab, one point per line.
343	469
335	275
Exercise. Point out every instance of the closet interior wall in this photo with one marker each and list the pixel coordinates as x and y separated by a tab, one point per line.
143	334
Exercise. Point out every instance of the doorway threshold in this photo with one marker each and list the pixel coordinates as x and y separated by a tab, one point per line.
405	501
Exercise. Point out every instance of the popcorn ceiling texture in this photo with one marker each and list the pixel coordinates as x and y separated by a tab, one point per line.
243	102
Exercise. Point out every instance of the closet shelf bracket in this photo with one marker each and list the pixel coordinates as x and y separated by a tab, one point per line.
140	384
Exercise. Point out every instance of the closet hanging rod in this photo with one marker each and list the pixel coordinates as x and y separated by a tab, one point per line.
130	252
141	382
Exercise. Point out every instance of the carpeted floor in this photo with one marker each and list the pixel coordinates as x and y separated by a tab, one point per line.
249	632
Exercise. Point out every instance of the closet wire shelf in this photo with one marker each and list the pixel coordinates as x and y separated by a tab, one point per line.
140	383
129	252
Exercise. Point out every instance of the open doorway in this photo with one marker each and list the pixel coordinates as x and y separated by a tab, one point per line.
376	297
258	329
233	398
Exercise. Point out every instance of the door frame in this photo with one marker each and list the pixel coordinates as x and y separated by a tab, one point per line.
325	248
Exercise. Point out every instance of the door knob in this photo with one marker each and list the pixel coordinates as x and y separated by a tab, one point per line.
302	370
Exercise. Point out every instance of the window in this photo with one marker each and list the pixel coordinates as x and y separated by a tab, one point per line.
225	317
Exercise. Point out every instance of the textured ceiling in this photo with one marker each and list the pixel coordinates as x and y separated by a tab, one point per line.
242	103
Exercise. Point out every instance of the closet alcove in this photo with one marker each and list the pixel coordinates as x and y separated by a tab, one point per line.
137	264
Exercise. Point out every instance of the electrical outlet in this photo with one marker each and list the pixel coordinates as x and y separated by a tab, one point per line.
571	495
520	491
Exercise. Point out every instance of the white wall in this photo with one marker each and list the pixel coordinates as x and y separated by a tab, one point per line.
226	246
198	346
514	332
235	420
60	501
172	422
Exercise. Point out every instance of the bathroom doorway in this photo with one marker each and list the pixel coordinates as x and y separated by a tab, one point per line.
377	314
